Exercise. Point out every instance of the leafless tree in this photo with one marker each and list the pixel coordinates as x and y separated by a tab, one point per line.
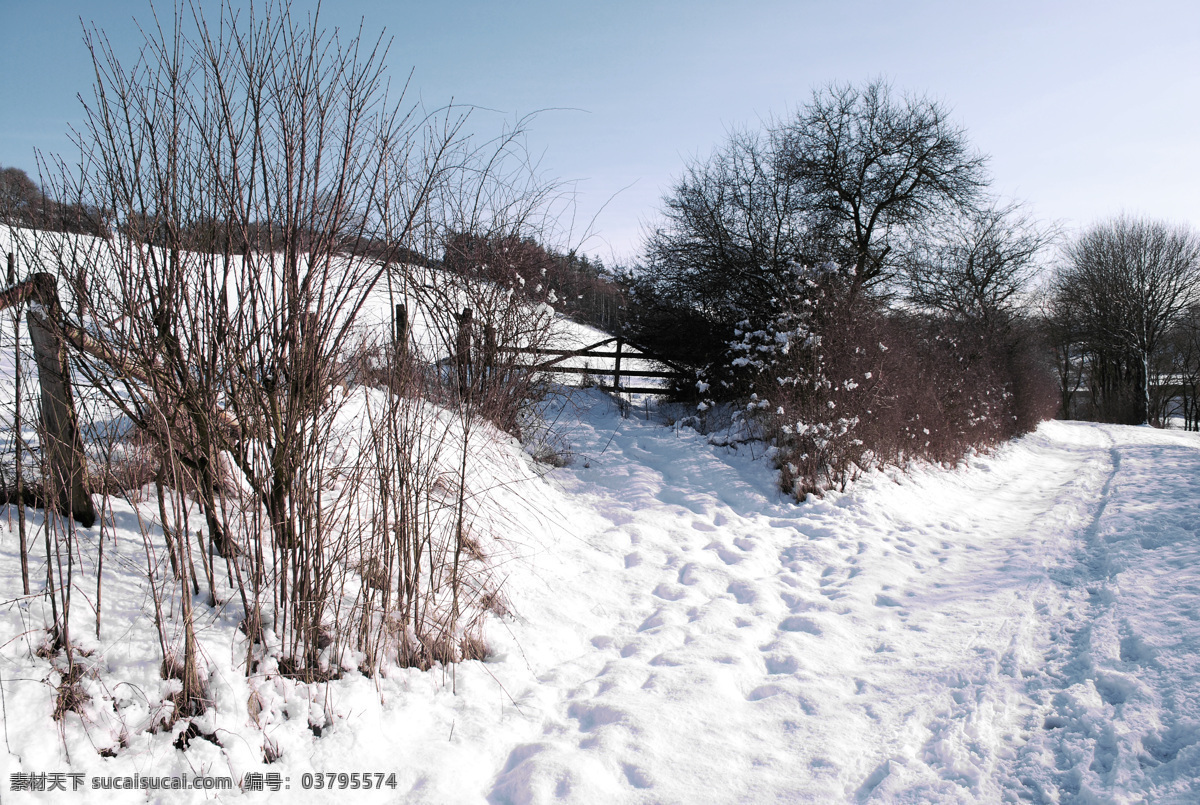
1128	281
1061	329
732	226
875	166
853	177
1178	372
20	198
977	265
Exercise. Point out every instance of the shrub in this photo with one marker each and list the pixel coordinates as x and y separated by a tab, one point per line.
840	384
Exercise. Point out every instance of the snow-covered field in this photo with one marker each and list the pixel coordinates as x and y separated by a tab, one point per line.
1025	627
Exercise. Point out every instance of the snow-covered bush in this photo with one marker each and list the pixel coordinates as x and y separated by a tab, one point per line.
840	384
806	404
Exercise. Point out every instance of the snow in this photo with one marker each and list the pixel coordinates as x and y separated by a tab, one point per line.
1024	627
945	636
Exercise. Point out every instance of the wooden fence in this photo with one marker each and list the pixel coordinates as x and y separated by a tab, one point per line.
620	359
65	455
621	353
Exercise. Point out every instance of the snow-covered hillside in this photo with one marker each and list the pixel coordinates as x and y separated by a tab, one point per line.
1023	628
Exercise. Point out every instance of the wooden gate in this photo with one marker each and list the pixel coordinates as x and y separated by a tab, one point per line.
621	352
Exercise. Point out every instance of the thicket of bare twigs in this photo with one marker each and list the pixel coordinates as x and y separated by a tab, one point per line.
576	285
262	187
841	385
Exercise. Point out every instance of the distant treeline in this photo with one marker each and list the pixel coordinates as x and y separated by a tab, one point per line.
574	284
577	285
24	204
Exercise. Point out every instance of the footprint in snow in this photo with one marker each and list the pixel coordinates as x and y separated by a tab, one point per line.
771	690
727	556
1165	746
662	617
797	623
743	592
669	592
782	664
668	659
676	497
765	692
637	777
1134	650
593	716
1106	751
796	602
1114	689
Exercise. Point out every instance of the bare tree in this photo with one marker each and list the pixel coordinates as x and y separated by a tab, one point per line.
1062	333
733	225
1128	281
876	167
854	177
976	265
20	197
1179	372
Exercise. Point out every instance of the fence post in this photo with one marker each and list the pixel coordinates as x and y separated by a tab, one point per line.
617	368
463	349
400	336
490	350
17	457
401	330
64	446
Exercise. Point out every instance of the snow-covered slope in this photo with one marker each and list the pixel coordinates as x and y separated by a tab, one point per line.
1025	628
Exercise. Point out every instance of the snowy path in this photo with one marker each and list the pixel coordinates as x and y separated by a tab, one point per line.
1121	683
1025	629
986	635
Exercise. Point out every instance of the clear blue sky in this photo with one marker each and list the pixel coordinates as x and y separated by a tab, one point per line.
1086	108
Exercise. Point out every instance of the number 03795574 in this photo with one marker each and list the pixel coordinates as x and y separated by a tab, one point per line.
355	780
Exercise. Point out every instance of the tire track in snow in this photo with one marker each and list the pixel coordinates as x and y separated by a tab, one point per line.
1089	572
1116	724
981	738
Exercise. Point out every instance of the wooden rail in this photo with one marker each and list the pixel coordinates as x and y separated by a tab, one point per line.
619	354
